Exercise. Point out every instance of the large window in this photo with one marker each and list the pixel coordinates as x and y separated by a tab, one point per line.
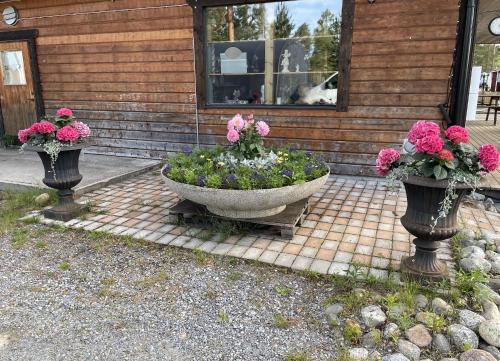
274	53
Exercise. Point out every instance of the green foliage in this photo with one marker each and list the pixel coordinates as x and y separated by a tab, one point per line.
217	168
437	323
487	56
280	322
9	140
283	24
283	291
64	266
19	238
467	283
297	357
326	43
352	332
223	316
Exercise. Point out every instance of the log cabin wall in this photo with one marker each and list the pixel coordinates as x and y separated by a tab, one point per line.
126	67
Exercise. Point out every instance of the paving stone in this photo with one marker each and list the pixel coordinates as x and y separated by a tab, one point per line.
285	260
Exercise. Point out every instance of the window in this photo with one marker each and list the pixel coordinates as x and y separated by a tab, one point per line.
13	67
271	54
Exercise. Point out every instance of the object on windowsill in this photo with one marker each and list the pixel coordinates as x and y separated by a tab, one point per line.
285	63
233	61
324	94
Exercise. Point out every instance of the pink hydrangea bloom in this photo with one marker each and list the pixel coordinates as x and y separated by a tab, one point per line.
233	136
23	135
489	157
67	134
422	129
430	144
43	127
445	154
82	128
237	123
262	128
386	158
64	112
457	134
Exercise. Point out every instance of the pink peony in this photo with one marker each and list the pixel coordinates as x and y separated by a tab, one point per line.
386	159
237	123
65	112
233	136
43	127
430	144
489	157
23	135
262	128
82	128
422	129
445	154
457	134
67	134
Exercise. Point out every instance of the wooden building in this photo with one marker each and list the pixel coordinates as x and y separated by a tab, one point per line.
127	67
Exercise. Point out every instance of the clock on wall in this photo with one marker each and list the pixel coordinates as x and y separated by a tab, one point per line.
494	26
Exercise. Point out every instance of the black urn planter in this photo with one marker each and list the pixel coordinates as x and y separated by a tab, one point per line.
65	178
424	196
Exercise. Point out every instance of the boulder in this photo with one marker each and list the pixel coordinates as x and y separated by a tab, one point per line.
490	332
408	349
492	256
42	200
490	310
462	337
395	357
441	344
471	264
470	319
373	316
425	317
472	252
495	283
332	312
440	307
420	301
491	349
419	336
358	354
476	355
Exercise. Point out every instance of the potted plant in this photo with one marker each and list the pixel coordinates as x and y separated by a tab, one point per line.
436	173
58	141
246	179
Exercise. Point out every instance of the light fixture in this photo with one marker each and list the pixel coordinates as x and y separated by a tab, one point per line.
10	15
371	2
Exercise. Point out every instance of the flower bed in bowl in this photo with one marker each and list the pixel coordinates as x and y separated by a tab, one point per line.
245	180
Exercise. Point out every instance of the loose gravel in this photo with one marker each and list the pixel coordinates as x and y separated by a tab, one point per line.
65	295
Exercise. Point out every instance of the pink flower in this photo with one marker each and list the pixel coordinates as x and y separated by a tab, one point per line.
489	157
65	112
457	134
67	134
233	136
23	135
43	127
430	144
422	129
237	123
262	128
250	119
82	128
386	158
445	154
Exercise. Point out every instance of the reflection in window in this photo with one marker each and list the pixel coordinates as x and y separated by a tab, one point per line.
275	53
13	67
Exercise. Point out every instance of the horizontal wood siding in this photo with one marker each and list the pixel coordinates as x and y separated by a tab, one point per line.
126	67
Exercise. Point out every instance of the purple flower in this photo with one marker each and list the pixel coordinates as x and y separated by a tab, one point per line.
187	150
201	181
293	148
286	173
308	154
167	169
308	170
231	178
257	176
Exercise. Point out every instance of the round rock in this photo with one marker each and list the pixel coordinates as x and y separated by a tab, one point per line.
470	319
490	310
491	349
409	349
472	252
440	306
419	336
420	301
486	293
441	344
391	331
471	264
395	357
358	354
476	355
462	337
373	316
490	332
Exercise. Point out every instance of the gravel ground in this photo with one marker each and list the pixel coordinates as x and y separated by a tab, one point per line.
66	296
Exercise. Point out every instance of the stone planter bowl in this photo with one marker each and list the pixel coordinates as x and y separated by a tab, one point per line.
244	204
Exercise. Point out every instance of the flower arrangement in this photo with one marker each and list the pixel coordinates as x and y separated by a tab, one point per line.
246	163
430	155
55	133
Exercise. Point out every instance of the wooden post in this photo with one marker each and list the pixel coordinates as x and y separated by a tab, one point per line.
230	23
269	68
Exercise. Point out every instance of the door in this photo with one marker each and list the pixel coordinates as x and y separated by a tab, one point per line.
17	98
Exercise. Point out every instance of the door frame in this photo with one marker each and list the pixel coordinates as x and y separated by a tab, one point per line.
29	36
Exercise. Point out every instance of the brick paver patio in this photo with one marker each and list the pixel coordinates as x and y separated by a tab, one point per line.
353	220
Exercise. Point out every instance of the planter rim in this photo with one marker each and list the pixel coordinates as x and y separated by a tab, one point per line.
236	191
39	149
432	183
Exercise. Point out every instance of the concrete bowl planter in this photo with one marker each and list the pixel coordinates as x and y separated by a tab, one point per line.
241	204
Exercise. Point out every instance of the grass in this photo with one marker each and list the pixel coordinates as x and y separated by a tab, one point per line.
281	322
41	244
297	356
19	238
64	266
222	316
153	280
352	332
234	276
283	291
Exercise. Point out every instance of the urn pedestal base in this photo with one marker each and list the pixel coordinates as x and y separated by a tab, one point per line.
424	264
66	209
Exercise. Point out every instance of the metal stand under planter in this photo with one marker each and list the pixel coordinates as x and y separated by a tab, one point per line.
286	222
65	178
424	196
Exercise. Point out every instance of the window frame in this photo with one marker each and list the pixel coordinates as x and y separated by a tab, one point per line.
199	35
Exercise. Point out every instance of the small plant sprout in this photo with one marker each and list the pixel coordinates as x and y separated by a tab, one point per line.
280	322
352	332
223	316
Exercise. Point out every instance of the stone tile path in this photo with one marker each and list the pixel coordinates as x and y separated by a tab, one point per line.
352	221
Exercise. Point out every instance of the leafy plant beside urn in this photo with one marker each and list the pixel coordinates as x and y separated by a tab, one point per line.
436	172
58	140
245	179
